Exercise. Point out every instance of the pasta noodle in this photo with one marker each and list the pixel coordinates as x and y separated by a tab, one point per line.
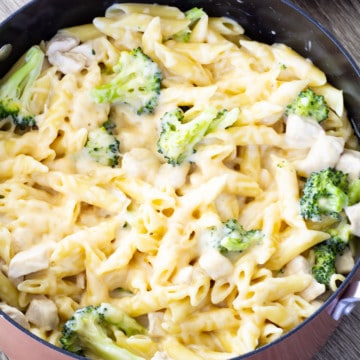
81	233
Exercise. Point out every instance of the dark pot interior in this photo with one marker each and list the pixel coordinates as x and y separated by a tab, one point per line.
264	20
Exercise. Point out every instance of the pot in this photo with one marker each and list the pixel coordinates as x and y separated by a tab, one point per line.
264	20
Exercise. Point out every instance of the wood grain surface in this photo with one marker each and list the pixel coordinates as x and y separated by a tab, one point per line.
341	18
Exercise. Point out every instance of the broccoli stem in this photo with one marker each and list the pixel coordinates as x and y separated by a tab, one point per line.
96	343
179	136
354	192
19	82
15	90
89	332
120	319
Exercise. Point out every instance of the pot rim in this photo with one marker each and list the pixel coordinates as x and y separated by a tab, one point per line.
333	298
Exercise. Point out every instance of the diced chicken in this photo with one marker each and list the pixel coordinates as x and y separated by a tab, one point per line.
301	132
86	51
43	313
215	264
15	314
353	213
300	265
65	52
349	162
345	262
61	43
297	265
28	261
324	153
69	62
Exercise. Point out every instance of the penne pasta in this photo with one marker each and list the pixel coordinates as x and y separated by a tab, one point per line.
182	208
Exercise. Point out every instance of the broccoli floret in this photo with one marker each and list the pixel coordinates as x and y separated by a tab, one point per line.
340	235
136	82
15	91
324	194
102	145
109	126
223	120
324	265
88	332
309	104
232	237
121	320
178	137
193	15
354	192
326	252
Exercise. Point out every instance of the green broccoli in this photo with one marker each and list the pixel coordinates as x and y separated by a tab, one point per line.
15	91
103	146
193	15
178	137
324	265
325	193
354	192
109	126
309	104
136	82
232	237
326	252
88	332
223	120
340	235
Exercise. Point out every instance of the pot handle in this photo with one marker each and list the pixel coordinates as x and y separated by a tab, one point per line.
3	356
348	301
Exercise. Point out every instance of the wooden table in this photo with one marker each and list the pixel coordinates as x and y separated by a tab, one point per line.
341	17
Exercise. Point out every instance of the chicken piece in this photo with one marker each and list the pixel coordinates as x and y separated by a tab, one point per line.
353	213
15	314
297	265
86	51
61	43
324	153
349	163
300	265
345	262
28	261
43	313
68	63
301	132
65	53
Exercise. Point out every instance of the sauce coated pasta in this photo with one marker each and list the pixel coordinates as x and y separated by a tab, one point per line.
161	168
